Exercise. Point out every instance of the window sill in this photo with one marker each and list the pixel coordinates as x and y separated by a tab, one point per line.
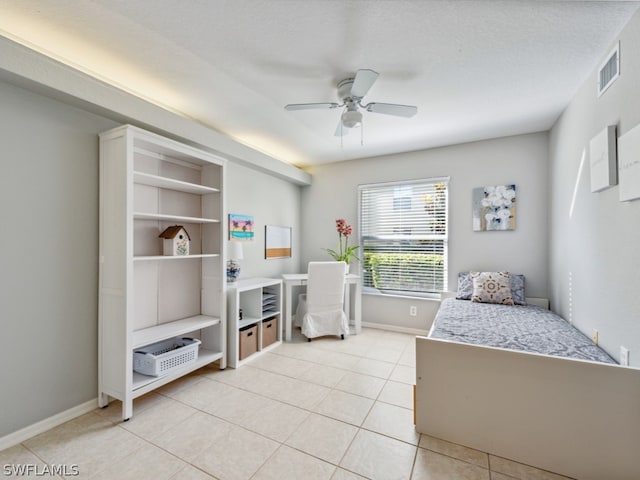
408	295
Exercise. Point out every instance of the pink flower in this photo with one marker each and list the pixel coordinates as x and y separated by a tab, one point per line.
343	228
345	252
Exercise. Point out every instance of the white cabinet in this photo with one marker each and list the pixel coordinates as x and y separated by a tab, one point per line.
259	302
149	183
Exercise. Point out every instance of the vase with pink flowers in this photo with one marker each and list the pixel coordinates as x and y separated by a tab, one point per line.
345	253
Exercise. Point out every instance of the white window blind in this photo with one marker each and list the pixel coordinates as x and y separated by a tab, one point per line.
403	236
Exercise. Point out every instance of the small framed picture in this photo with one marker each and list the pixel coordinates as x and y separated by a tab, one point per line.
241	227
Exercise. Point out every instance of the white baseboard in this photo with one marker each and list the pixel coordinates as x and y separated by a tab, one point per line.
395	328
47	424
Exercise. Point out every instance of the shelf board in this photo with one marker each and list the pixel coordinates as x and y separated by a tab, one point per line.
245	322
172	218
145	383
174	257
167	330
171	184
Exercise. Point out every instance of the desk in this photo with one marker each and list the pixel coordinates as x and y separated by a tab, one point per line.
295	279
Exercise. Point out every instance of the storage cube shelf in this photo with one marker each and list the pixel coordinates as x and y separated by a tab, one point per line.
261	302
149	183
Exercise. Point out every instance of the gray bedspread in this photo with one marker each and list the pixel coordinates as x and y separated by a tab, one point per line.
526	328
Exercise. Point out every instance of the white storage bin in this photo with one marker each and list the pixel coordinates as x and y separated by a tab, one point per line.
163	357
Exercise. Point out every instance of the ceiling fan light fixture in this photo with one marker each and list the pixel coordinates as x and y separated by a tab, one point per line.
351	118
351	91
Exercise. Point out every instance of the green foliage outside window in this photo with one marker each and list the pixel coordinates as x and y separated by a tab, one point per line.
419	272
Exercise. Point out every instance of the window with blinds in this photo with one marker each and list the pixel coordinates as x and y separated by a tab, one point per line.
403	236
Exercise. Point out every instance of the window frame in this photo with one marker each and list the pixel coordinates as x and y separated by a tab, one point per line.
371	290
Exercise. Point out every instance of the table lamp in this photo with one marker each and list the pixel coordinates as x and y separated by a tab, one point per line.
233	268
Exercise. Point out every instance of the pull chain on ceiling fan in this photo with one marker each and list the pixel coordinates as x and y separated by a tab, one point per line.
351	91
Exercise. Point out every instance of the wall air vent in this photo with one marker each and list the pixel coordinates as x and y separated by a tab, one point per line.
610	70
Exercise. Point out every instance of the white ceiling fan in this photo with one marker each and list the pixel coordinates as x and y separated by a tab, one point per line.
351	91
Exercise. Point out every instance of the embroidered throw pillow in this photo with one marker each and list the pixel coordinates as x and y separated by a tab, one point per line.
465	287
491	287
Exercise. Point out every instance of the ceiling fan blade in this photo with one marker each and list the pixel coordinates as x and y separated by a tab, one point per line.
392	109
341	130
309	106
362	82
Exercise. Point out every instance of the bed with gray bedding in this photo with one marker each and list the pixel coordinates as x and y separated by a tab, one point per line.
520	382
515	327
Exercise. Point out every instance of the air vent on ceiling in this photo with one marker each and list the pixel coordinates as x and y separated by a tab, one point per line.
609	71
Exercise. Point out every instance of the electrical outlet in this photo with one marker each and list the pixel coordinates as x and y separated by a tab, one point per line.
595	336
624	356
413	310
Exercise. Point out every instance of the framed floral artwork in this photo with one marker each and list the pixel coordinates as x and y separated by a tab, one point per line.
494	208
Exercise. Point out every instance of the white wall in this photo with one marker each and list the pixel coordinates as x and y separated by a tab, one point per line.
49	251
522	160
271	201
594	256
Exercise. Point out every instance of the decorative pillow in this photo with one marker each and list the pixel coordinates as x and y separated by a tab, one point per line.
491	287
517	289
465	286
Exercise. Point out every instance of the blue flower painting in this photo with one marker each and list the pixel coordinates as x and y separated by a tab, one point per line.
494	208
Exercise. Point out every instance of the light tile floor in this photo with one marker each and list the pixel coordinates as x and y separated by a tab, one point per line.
328	409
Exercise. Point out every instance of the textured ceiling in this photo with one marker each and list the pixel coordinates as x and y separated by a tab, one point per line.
475	69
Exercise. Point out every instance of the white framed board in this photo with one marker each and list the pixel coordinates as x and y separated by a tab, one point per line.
277	242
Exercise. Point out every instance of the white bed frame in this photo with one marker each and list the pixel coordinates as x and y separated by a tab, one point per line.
573	417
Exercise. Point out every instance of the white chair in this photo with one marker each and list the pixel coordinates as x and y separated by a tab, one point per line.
321	310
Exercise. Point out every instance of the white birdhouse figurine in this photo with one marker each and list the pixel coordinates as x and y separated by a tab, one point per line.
175	241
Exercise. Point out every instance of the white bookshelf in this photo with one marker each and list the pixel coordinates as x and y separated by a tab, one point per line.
148	183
